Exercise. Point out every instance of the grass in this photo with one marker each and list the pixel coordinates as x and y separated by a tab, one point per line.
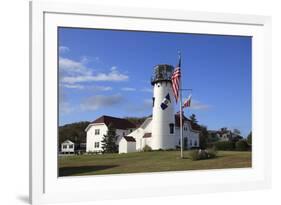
147	162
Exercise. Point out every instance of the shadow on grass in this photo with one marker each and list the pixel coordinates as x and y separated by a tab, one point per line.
69	171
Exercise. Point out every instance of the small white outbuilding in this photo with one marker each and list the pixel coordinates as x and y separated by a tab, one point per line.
67	147
127	144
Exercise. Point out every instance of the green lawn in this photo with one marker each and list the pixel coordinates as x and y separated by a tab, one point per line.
147	162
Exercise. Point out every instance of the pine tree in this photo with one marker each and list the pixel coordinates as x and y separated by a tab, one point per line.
249	138
203	137
193	119
109	141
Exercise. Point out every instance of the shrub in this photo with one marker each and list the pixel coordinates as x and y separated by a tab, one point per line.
194	155
212	153
224	145
147	148
242	145
177	147
202	154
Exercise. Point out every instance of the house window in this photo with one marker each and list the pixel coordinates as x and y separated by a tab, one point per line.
64	147
97	131
71	146
195	143
185	141
171	128
124	133
97	144
190	142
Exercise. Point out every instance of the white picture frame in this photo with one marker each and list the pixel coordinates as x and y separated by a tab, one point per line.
46	187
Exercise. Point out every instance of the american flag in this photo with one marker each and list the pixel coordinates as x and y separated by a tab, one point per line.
176	80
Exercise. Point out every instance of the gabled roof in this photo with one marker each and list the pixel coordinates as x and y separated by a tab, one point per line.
194	126
129	139
117	123
146	122
67	142
147	135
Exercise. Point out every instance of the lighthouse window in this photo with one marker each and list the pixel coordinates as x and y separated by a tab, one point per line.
171	128
153	99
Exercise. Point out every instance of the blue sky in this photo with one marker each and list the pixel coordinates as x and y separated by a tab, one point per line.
105	72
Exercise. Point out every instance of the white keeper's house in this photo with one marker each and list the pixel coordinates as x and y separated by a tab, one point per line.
160	131
98	128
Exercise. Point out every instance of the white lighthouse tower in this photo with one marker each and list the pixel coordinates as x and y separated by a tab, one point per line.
163	118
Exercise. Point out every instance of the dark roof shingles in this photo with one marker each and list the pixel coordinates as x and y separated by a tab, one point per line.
117	123
147	135
129	139
194	126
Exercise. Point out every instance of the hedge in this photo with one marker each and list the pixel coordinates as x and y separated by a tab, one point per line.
147	148
242	145
224	145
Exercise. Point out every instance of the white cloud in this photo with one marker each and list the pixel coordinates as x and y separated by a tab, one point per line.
93	88
101	88
149	90
63	49
84	60
128	89
99	101
97	59
71	67
113	68
65	108
113	76
147	103
196	105
142	107
73	86
77	72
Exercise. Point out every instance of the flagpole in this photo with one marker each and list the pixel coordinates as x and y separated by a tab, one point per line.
181	130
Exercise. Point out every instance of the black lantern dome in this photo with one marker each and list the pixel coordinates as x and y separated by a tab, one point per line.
161	73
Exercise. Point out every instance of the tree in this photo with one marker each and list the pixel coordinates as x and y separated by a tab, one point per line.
203	137
224	129
74	132
109	141
193	119
249	138
136	120
242	145
236	131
